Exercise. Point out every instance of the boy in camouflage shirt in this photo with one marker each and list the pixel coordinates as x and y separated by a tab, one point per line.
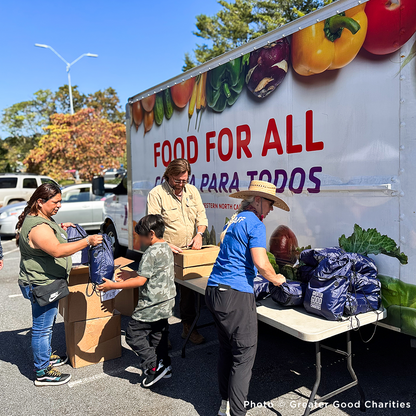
147	333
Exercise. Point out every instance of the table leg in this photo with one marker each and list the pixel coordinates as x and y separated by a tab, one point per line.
352	372
198	311
317	380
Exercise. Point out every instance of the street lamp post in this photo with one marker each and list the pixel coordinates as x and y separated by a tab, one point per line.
68	67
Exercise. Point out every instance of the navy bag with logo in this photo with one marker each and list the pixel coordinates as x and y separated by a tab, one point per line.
327	290
290	293
75	234
101	261
339	278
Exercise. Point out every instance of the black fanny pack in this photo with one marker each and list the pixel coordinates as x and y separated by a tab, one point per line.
44	295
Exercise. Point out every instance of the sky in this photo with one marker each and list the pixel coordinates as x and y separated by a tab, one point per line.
139	44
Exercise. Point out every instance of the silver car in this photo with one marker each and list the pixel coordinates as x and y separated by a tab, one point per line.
79	206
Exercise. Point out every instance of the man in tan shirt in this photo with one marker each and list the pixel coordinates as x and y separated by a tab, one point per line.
181	207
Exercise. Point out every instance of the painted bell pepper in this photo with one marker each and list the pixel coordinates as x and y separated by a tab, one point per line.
225	83
391	23
331	44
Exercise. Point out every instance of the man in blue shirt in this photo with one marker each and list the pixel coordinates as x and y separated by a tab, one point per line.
230	294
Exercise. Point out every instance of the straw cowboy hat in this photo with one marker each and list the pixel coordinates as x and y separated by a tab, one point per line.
263	189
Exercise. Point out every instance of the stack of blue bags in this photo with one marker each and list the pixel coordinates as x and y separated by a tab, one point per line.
339	283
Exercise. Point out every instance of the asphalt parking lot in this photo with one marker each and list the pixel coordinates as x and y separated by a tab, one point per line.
283	375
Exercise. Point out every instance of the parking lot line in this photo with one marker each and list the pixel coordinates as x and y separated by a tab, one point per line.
132	369
11	251
15	296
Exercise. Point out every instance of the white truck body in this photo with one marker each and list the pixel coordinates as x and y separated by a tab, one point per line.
340	146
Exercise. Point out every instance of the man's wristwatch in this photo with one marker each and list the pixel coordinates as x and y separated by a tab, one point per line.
200	233
88	240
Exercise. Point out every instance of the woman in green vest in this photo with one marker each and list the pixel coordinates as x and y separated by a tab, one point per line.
45	257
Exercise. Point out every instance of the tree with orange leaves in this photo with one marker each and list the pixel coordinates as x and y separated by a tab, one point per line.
81	141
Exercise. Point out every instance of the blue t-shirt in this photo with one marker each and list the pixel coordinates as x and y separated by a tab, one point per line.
234	265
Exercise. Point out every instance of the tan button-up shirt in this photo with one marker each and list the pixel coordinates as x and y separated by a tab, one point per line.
181	216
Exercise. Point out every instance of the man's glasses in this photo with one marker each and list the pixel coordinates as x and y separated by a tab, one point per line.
180	182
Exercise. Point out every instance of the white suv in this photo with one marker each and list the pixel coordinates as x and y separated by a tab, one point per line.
19	187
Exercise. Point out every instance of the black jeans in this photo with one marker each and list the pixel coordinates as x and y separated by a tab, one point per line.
149	340
235	317
187	305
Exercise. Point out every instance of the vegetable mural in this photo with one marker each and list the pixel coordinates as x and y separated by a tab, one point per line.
182	92
225	83
268	67
331	44
380	26
297	120
390	25
370	241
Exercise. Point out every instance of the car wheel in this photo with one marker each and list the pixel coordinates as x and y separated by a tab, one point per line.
118	250
14	201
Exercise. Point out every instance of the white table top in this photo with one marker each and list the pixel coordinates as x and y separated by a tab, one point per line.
295	320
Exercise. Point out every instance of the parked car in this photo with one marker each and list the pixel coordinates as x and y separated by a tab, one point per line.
110	174
19	187
79	206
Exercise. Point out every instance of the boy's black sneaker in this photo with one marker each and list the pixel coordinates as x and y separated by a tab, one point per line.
153	376
167	375
51	377
169	372
57	361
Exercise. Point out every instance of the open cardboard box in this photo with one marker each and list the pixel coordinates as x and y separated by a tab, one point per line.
82	304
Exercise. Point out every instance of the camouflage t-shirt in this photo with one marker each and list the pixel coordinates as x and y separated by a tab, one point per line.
157	295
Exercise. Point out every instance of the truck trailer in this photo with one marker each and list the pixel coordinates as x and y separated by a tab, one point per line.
323	107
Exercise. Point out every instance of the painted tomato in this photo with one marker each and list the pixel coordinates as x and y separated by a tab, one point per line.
391	23
137	111
181	93
149	102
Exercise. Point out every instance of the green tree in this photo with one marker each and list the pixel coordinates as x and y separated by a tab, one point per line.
241	21
61	98
25	121
82	141
107	104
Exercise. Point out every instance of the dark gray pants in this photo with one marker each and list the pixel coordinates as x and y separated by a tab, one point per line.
236	321
149	340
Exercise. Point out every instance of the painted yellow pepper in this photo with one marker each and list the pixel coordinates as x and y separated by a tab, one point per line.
330	44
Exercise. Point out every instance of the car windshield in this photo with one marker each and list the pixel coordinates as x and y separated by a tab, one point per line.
48	180
76	195
8	183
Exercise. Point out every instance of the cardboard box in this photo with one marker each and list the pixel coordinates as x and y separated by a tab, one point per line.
192	258
126	301
78	306
193	272
191	264
92	341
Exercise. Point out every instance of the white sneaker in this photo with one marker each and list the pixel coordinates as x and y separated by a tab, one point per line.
224	409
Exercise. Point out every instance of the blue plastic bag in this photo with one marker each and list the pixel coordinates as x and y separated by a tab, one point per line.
327	297
75	234
101	261
290	293
261	287
334	275
361	303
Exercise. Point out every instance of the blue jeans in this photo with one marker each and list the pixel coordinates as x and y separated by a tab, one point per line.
43	320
